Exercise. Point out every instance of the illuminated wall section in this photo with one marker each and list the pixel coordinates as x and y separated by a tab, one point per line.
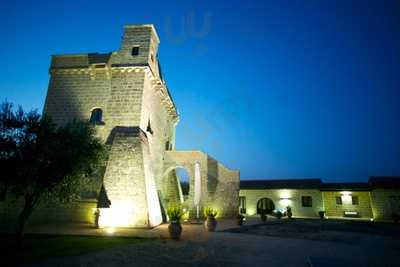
211	183
283	198
333	208
153	203
382	201
129	183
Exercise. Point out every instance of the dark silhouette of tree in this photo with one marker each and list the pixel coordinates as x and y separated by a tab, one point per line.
40	161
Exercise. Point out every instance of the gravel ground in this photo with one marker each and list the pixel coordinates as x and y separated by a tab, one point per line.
275	243
231	249
358	233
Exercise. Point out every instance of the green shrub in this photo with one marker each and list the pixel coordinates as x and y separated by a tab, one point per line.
175	214
210	213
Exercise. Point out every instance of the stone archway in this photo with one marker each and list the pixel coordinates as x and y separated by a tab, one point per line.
191	200
265	204
211	184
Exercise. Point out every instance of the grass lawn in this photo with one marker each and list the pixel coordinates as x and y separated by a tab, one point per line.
38	247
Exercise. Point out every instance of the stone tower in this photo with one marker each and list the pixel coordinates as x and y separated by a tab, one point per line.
124	95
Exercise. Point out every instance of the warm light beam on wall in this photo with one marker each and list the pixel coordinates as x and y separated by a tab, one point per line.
346	197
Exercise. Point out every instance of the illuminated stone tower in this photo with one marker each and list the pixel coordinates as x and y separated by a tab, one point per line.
124	95
126	98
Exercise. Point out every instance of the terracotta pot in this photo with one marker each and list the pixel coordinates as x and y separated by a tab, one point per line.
175	230
210	224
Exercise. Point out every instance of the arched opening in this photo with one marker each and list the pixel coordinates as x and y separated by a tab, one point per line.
184	182
178	186
265	205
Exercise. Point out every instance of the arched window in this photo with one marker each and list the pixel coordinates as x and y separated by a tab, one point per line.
265	205
96	117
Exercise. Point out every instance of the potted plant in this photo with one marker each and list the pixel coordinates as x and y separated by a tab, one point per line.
263	215
239	219
211	222
175	214
289	212
321	214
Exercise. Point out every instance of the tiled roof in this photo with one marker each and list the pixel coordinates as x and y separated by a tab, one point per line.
392	182
385	182
281	184
346	187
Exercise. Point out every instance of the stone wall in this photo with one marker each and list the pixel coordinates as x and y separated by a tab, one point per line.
283	198
73	94
47	212
334	210
219	185
129	181
143	36
382	205
222	188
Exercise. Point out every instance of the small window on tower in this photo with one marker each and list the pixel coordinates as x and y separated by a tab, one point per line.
96	117
135	50
152	58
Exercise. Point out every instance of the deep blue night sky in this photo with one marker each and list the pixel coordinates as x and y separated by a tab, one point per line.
278	90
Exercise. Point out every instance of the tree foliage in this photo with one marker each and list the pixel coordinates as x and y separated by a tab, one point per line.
39	160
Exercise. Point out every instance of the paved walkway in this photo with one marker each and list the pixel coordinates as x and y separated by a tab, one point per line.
229	249
201	248
190	231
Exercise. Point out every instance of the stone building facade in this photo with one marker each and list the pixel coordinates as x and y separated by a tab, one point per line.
377	199
124	94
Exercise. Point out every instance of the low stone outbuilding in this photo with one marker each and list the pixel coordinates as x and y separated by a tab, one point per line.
377	199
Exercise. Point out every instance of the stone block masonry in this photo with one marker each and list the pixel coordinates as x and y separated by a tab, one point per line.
129	182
